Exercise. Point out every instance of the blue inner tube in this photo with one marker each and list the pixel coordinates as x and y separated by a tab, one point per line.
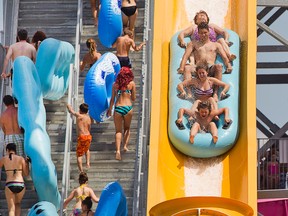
98	85
203	146
109	22
112	201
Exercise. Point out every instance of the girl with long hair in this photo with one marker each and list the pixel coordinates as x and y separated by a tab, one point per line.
124	93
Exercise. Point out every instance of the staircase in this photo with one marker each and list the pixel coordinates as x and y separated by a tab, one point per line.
58	20
104	167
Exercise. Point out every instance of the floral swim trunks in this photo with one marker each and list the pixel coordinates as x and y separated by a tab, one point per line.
83	144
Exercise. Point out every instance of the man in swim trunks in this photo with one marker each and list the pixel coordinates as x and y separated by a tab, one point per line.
21	48
123	45
204	51
9	124
83	122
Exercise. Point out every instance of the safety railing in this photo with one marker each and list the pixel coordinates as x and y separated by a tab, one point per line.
7	37
272	167
73	100
141	165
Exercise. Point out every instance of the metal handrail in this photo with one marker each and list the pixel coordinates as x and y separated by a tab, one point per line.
10	35
72	99
143	119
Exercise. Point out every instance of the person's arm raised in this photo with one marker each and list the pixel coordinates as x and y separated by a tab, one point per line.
71	110
186	32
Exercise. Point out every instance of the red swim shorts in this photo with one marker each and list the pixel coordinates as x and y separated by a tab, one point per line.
83	144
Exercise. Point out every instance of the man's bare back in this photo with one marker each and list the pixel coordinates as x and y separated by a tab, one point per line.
22	48
9	121
123	45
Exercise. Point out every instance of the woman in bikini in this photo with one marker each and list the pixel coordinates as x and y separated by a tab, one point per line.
203	91
80	193
129	14
92	56
124	92
16	167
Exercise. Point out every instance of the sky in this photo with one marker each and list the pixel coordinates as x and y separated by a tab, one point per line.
272	100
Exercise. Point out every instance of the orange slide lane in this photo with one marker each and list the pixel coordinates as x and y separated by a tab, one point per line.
174	176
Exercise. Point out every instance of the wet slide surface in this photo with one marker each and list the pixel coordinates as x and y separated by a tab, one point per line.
172	174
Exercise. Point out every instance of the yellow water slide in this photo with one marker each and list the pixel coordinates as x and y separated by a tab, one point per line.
178	184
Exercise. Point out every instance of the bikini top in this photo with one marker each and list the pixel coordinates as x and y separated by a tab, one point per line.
212	35
119	92
13	170
200	93
83	196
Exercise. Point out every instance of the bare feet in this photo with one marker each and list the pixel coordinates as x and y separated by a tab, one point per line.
228	70
215	139
232	57
191	139
125	149
180	70
118	156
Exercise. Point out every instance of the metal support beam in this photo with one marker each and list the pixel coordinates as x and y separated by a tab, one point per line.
272	33
271	20
275	48
273	3
276	65
273	127
272	140
264	12
263	129
272	79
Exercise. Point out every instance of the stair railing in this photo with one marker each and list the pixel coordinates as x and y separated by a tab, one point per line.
8	35
73	100
141	167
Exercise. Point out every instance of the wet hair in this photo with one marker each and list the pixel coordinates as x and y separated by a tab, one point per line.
204	105
84	108
88	202
91	45
124	77
8	100
203	25
22	34
11	147
38	36
83	178
201	12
